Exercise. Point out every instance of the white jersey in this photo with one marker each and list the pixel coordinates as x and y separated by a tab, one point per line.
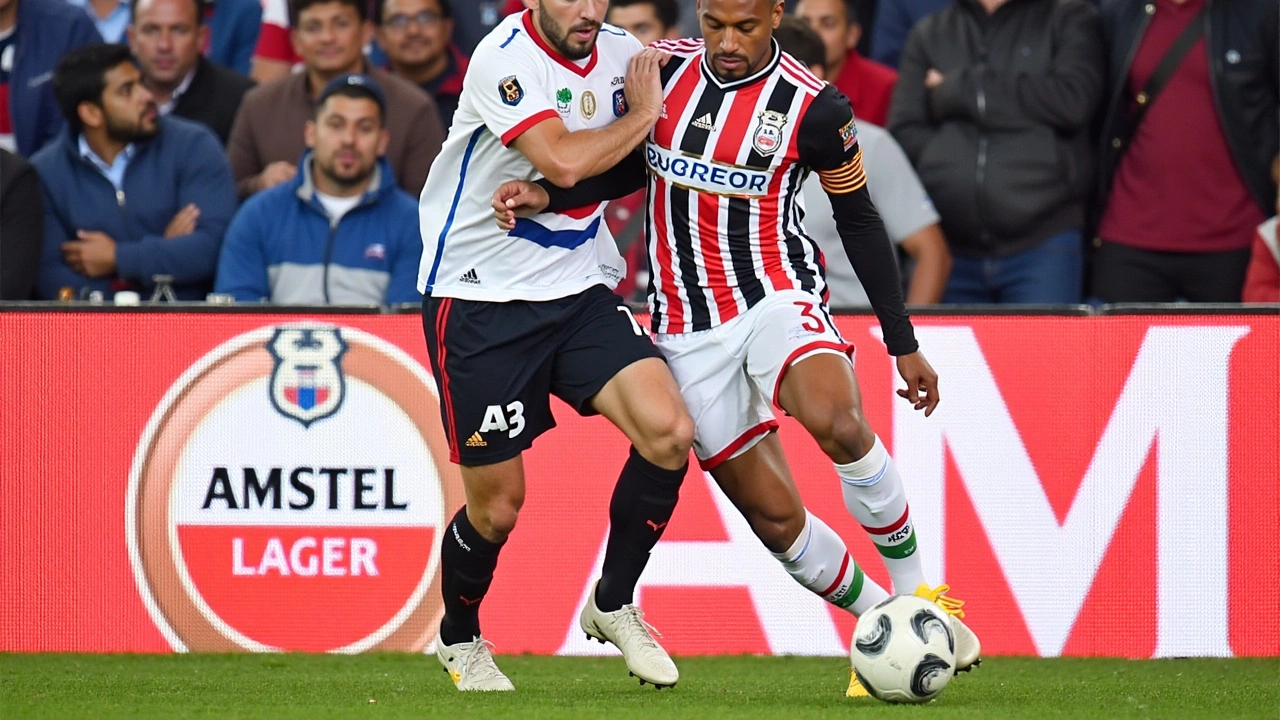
515	81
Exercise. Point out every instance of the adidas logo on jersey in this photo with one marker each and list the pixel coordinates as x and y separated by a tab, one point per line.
476	441
470	277
704	123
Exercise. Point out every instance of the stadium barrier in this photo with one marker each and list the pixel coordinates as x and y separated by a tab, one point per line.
235	480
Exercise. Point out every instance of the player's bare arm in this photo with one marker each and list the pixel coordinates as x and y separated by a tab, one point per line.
567	157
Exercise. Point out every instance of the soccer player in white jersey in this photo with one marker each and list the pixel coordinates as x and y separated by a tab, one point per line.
738	297
512	318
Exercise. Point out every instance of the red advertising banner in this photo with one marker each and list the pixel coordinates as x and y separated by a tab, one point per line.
229	481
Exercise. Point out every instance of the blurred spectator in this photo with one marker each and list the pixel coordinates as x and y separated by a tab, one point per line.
893	22
417	37
867	84
1262	281
267	140
127	194
166	36
339	233
1184	185
233	32
474	19
993	107
110	17
274	55
21	227
34	35
909	217
648	20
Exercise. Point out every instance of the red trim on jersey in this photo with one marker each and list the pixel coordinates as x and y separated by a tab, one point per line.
555	54
673	105
450	432
581	213
712	257
800	73
510	136
733	134
719	458
273	44
906	513
844	565
845	348
673	313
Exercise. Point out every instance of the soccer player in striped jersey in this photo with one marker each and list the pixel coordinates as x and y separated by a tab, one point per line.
738	297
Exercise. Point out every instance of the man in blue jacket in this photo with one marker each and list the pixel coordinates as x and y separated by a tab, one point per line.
340	232
34	35
128	195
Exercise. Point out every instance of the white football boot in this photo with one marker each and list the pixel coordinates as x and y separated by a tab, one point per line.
968	648
471	666
627	630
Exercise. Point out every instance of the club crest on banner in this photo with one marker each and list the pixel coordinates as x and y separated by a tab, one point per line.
307	383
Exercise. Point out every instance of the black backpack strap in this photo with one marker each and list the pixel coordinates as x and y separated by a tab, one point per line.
1172	59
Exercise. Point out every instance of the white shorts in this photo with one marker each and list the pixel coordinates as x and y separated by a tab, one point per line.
730	375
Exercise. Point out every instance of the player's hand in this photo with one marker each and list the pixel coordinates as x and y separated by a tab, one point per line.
644	83
184	223
933	79
920	378
518	199
93	254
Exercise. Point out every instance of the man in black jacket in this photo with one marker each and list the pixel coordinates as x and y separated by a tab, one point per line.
166	37
993	106
21	226
1182	189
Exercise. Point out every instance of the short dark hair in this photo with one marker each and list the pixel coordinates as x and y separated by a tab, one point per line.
297	6
356	86
446	10
851	11
668	11
800	41
200	10
81	76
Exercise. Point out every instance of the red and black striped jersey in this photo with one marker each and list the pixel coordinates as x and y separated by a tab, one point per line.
726	163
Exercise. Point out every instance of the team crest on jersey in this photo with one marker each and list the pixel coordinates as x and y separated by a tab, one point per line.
588	105
849	134
564	100
768	135
510	91
307	383
619	103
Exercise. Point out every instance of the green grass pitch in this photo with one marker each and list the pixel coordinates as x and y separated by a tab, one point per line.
412	686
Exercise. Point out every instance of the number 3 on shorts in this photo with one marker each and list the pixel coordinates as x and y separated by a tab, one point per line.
634	325
812	322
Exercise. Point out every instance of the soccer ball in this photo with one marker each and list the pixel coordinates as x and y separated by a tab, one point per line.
903	650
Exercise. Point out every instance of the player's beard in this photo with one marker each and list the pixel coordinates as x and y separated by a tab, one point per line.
559	37
143	129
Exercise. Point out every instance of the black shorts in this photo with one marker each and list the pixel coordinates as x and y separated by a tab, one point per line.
499	363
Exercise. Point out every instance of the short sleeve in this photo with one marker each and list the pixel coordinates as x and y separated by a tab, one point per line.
510	94
896	190
828	143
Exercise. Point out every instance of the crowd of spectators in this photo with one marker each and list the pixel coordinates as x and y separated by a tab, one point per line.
1020	151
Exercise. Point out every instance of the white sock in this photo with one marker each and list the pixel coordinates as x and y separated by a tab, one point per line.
819	560
874	495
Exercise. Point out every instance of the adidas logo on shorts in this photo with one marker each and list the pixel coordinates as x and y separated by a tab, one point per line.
704	123
470	277
475	440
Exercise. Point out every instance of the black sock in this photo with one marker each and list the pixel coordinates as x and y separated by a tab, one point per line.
467	561
642	503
